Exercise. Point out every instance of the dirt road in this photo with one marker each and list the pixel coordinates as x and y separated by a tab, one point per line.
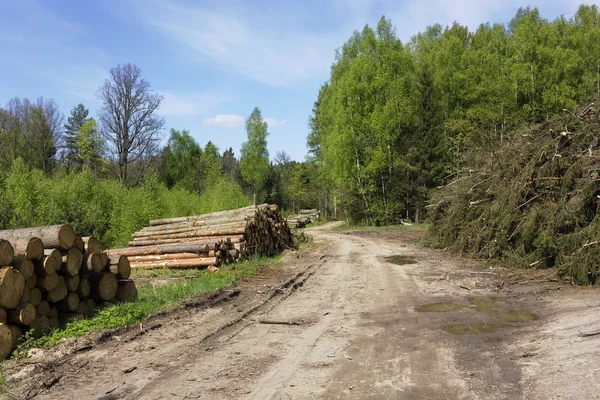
364	316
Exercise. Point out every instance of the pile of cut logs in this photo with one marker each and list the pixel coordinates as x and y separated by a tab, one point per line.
49	275
303	218
208	240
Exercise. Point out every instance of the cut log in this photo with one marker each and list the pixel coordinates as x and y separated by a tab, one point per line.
103	286
59	292
164	221
83	309
54	253
210	240
24	266
238	229
72	283
12	286
40	326
78	243
25	296
170	256
31	282
6	341
7	253
17	335
46	266
105	261
69	304
53	237
127	291
31	248
186	247
35	296
83	290
122	268
48	283
168	233
191	263
92	262
71	262
91	245
23	315
53	313
43	308
2	316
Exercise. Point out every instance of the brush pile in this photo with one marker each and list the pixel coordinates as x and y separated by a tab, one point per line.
303	218
534	200
49	275
209	240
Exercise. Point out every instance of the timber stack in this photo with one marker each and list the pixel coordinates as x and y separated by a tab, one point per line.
209	240
303	218
49	275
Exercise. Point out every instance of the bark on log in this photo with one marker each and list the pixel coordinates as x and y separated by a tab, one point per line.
92	262
103	286
54	253
167	233
55	236
23	315
72	283
46	266
91	244
190	263
211	241
31	282
48	283
40	326
164	221
127	291
35	296
7	253
187	247
170	256
59	292
26	247
78	243
6	341
69	304
12	286
122	268
71	262
83	290
24	266
43	308
204	232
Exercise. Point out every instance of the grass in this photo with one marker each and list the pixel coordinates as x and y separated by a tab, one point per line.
152	299
345	227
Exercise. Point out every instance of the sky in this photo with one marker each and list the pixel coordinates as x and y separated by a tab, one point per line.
213	61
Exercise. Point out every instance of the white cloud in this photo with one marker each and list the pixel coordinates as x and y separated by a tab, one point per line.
272	122
225	120
189	104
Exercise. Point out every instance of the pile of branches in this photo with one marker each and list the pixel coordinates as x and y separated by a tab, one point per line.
534	200
209	240
49	276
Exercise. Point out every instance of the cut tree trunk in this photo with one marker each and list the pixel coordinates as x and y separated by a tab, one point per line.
83	290
83	309
6	341
35	296
12	286
223	230
91	244
71	262
170	256
103	286
48	283
69	304
122	268
54	253
59	292
24	266
127	291
27	247
186	247
25	297
46	266
164	221
92	262
43	308
53	237
17	335
7	253
40	326
31	282
78	243
72	283
191	263
23	315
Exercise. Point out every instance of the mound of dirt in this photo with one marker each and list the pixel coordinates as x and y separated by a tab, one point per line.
532	200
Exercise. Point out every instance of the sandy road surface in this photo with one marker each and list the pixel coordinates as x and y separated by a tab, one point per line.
343	323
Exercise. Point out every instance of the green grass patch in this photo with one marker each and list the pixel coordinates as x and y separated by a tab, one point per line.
349	228
153	299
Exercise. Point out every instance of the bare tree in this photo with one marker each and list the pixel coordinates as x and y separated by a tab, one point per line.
127	119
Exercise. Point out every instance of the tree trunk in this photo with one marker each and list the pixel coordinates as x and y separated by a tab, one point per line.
26	247
222	230
7	253
59	292
205	216
91	245
23	315
35	296
69	304
190	263
71	262
186	247
55	236
6	341
54	253
78	243
103	286
121	267
127	291
47	266
92	262
43	308
72	283
83	290
12	286
24	266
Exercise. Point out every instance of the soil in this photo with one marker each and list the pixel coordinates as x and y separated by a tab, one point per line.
361	315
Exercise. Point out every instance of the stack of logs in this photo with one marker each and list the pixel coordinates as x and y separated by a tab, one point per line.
303	218
209	240
49	276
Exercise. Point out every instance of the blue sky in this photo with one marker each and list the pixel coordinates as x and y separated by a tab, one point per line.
213	61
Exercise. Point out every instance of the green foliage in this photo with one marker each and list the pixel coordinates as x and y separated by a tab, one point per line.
184	157
78	117
254	161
